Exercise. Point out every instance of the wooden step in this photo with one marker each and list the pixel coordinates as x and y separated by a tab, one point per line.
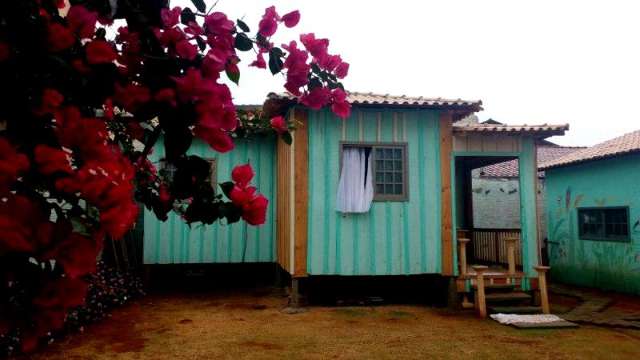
512	296
496	286
515	309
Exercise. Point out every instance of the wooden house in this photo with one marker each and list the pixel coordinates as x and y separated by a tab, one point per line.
421	164
593	210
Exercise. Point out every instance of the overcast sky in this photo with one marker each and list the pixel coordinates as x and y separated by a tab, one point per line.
532	62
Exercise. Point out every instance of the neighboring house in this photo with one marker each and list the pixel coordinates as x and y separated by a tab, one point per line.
406	163
593	211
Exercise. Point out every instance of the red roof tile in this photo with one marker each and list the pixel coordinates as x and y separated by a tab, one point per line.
509	169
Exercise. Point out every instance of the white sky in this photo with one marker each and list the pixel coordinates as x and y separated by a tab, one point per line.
532	62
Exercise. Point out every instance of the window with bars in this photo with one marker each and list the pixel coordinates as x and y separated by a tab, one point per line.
168	171
604	224
389	170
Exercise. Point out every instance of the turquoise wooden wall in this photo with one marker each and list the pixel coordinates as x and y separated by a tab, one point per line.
173	242
394	238
606	265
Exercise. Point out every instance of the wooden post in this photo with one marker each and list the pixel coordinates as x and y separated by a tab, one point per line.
481	303
511	256
462	255
446	144
294	300
542	285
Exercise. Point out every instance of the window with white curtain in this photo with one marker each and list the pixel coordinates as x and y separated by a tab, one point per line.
368	172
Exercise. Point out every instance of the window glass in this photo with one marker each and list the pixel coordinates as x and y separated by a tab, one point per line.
606	224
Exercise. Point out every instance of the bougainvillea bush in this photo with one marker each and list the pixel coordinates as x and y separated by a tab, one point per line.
89	88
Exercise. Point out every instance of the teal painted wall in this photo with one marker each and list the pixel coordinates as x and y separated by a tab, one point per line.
394	238
606	265
173	242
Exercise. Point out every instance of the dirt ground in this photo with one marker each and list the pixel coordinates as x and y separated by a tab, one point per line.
243	325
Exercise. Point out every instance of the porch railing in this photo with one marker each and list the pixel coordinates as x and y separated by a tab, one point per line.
489	246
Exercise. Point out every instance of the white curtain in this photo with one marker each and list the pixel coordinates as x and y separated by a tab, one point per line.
355	189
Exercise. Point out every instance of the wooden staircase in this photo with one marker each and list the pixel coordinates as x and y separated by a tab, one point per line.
502	292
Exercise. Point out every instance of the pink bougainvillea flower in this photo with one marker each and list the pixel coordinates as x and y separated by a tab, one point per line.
269	22
59	37
170	18
342	70
339	104
217	23
242	175
259	62
279	124
297	68
291	19
82	21
186	50
316	98
100	52
219	140
317	47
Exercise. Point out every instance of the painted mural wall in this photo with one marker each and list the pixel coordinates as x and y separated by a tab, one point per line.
393	238
606	265
173	242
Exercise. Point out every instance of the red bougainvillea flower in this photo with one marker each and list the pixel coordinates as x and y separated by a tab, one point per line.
51	101
186	50
170	18
219	140
255	212
316	98
279	124
339	104
82	21
5	51
12	163
51	160
163	194
167	95
100	52
242	175
131	96
76	253
59	37
291	19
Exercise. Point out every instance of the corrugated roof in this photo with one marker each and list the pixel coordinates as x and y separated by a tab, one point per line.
544	129
509	169
625	144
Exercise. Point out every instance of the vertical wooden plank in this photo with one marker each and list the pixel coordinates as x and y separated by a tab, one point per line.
445	188
301	190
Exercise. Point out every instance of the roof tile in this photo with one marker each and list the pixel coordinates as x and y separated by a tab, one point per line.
625	144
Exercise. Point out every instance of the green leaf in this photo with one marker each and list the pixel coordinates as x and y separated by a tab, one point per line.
201	43
243	43
286	137
187	16
243	26
200	5
226	188
314	83
275	62
233	76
